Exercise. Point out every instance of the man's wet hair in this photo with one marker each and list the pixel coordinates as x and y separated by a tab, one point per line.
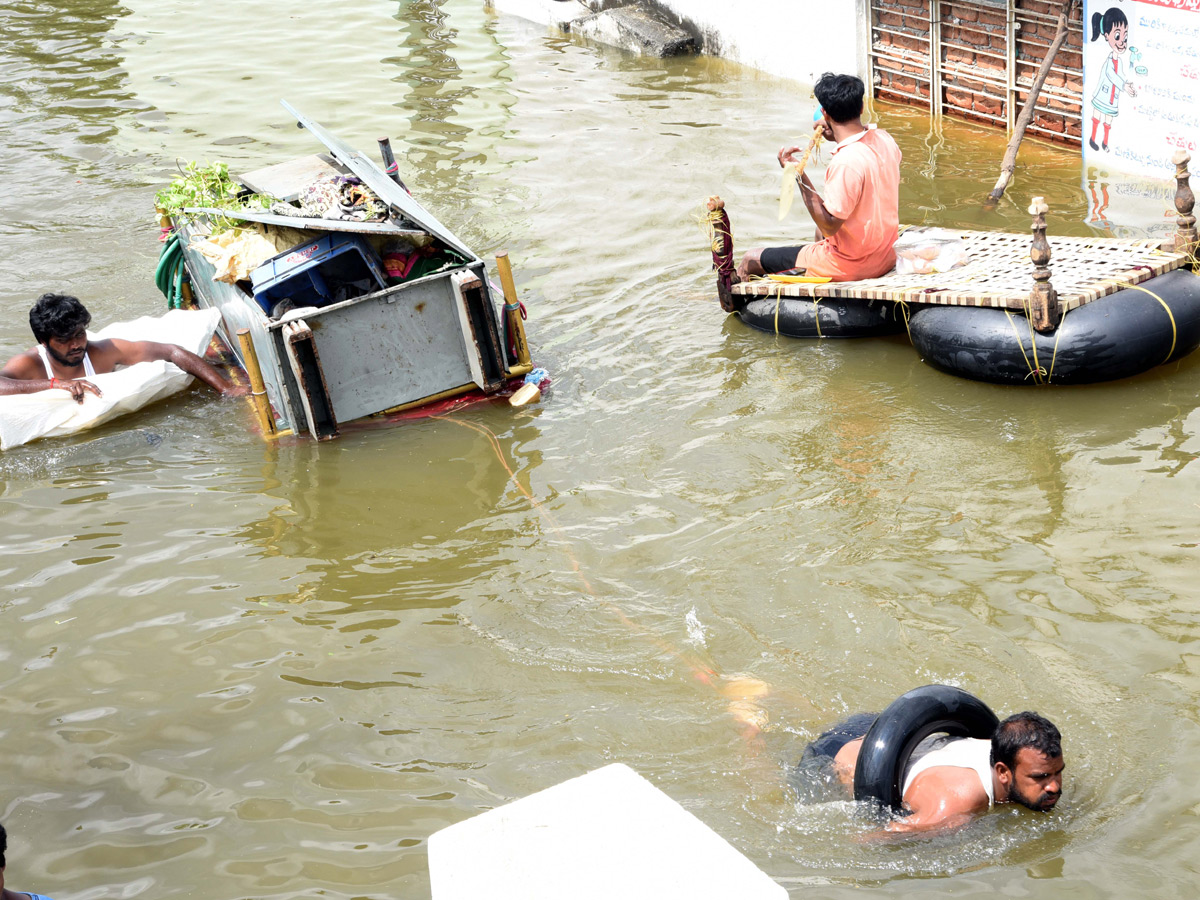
57	316
841	96
1025	729
3	845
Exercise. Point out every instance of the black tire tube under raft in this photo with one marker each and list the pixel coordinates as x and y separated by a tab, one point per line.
908	720
804	318
1116	336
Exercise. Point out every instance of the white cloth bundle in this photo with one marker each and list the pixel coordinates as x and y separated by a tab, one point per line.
52	413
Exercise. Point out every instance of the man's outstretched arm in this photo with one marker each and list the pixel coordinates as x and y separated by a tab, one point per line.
131	352
940	802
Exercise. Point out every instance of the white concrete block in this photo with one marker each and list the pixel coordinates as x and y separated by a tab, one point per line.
607	835
637	29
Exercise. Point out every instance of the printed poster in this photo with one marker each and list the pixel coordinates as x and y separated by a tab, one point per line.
1141	103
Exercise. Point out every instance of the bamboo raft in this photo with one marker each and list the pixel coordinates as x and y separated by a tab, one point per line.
996	286
997	274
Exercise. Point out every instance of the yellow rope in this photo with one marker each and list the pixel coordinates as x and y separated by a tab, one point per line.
1021	346
1170	315
1033	344
903	304
715	236
778	303
1054	357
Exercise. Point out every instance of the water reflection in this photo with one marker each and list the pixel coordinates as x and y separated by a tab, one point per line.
361	512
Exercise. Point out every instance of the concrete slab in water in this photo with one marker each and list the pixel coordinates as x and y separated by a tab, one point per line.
608	834
636	28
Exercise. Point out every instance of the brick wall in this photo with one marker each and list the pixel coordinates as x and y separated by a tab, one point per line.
976	56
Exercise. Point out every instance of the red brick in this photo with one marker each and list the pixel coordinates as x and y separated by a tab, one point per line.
911	43
988	106
1050	122
958	98
959	55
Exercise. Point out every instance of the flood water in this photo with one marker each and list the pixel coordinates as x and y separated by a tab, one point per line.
231	670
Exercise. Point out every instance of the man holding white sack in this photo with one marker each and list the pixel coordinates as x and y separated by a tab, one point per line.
64	358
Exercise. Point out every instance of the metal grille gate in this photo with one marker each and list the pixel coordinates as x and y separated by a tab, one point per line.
977	59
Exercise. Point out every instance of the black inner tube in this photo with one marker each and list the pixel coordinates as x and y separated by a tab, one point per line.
908	720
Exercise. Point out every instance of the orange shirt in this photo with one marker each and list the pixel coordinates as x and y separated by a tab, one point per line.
862	188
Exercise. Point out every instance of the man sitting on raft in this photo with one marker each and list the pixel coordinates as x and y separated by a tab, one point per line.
959	778
64	359
859	216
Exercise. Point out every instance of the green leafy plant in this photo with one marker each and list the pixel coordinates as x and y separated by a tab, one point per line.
207	185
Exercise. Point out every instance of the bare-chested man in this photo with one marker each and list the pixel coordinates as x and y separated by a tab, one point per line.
960	778
64	359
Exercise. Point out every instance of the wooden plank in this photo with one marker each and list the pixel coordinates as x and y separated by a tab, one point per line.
999	273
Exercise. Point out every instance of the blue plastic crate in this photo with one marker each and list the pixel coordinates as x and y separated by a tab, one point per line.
327	270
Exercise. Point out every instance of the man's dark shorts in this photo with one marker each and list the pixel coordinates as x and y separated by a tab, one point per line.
779	259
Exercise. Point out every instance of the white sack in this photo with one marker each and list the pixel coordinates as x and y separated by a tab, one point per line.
52	413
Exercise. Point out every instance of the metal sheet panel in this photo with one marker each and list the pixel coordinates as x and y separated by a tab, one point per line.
383	186
390	348
304	224
239	311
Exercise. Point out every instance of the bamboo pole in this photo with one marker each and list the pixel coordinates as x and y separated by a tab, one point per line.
1010	155
512	308
258	390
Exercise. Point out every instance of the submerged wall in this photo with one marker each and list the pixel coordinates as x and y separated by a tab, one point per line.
797	39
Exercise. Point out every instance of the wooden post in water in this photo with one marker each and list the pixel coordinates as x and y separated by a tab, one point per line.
1043	299
722	254
258	391
1186	239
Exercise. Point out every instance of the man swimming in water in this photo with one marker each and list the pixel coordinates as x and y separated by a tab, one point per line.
64	358
959	778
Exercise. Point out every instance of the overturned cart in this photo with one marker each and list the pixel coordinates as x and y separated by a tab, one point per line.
333	327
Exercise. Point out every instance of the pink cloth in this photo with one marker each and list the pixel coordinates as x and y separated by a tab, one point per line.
862	188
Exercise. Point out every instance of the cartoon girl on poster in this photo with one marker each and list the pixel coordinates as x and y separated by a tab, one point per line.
1115	28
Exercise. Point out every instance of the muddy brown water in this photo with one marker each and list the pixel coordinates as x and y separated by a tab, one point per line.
236	671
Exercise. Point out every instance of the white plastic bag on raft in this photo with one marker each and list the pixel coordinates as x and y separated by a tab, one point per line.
929	251
27	417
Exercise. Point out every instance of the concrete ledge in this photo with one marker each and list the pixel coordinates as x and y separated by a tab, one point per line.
607	835
638	29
